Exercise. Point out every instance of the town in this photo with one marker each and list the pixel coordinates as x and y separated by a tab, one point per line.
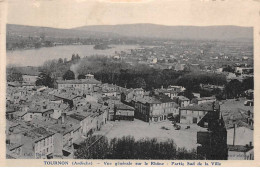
199	95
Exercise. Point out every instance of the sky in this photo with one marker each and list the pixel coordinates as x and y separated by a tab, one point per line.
76	13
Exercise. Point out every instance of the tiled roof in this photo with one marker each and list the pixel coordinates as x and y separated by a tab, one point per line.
13	146
77	117
20	113
148	99
208	106
82	81
163	98
156	99
38	133
66	96
123	107
183	98
61	128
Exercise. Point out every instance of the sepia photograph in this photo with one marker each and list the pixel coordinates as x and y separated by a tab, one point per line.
102	80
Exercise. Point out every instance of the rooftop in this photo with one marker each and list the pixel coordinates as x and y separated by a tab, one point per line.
206	98
38	134
13	146
81	81
183	98
61	128
156	99
123	107
77	116
233	105
208	106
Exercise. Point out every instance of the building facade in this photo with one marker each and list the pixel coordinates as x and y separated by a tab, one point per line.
124	112
87	84
155	108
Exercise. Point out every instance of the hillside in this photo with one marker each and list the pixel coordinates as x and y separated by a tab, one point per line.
32	31
138	31
176	32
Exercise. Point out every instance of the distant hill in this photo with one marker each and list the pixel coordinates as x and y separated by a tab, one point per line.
138	30
55	32
176	32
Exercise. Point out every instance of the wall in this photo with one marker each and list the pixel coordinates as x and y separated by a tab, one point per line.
189	116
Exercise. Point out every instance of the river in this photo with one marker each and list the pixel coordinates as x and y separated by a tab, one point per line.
36	57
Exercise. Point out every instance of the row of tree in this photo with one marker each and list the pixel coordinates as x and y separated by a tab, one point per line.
99	147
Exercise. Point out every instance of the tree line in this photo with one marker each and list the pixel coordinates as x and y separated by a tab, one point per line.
99	147
108	70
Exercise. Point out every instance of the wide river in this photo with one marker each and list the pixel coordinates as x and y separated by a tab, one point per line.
36	57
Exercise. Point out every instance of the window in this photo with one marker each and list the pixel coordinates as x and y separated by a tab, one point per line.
194	120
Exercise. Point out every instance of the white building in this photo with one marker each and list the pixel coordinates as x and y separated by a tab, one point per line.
83	84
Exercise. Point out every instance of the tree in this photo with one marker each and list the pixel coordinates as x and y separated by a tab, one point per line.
233	89
69	75
81	76
42	36
94	147
60	61
48	44
75	58
205	93
139	83
44	79
229	69
187	93
37	45
219	94
248	83
14	75
98	147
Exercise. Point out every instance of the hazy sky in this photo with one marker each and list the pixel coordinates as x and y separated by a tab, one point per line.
75	13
